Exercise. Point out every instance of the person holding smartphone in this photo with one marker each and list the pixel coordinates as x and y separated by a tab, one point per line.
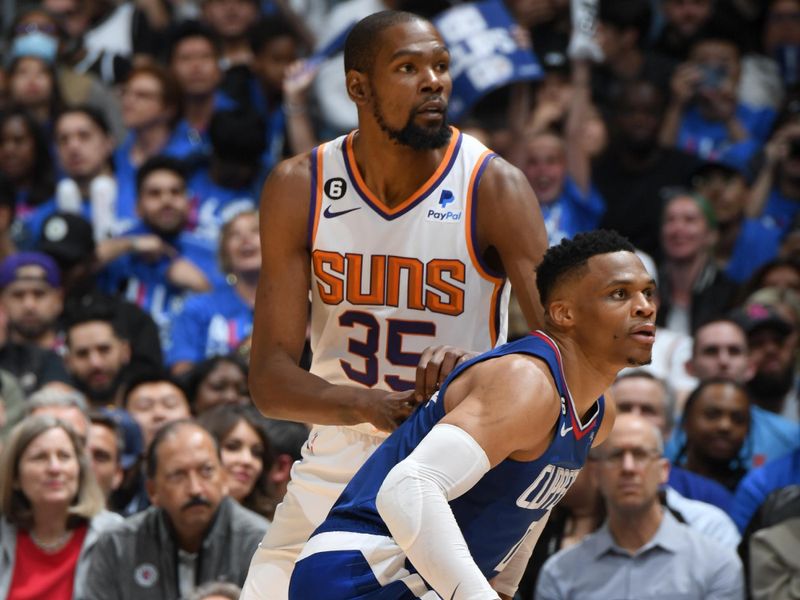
705	115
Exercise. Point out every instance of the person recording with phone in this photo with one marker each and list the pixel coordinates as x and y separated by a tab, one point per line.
775	194
705	115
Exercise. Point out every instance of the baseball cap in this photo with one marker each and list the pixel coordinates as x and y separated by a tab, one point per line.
758	316
735	159
9	268
131	435
68	238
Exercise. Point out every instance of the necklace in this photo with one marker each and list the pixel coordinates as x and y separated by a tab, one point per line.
56	544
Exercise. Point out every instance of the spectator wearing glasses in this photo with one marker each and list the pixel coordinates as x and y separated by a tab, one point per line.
641	540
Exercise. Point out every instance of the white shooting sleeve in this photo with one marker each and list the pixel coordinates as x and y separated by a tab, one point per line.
413	502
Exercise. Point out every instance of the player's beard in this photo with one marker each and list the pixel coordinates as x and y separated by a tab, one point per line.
639	362
412	135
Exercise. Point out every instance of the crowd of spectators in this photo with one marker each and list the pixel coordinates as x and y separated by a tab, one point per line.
134	139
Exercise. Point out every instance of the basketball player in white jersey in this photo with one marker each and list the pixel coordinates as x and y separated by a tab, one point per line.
407	233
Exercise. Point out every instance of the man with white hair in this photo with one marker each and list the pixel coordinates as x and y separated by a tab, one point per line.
641	542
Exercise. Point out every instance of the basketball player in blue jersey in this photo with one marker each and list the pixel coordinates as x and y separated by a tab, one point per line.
407	233
454	500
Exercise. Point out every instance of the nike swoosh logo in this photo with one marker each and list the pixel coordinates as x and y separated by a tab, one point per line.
329	214
454	591
565	430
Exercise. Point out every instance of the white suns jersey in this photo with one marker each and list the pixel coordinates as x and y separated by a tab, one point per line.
387	283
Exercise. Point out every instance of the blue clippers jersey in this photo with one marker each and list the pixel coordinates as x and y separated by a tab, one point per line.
510	499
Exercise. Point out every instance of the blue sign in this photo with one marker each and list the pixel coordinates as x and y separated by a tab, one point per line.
484	53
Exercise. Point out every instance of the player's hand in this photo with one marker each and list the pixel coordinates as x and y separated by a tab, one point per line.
389	411
435	365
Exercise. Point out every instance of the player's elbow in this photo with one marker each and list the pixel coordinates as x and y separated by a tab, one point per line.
398	503
264	391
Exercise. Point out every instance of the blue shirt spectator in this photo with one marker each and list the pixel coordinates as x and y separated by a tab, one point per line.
572	212
210	324
222	320
760	483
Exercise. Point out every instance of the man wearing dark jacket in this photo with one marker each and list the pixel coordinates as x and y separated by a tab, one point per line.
192	534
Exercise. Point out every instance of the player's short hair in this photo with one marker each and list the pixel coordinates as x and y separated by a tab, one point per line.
564	258
363	41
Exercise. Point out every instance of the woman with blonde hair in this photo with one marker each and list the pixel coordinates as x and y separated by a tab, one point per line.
218	322
51	512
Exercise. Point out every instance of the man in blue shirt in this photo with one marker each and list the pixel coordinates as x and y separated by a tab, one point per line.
559	170
155	263
454	500
89	187
194	58
721	350
776	191
641	540
230	183
743	243
705	116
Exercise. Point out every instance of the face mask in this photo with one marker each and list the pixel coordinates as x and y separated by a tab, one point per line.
36	44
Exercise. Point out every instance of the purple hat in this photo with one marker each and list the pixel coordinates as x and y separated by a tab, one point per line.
9	268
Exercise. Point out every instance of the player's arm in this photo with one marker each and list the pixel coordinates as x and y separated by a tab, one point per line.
501	408
279	387
511	233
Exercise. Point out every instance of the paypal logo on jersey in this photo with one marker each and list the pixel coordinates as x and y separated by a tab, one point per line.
445	214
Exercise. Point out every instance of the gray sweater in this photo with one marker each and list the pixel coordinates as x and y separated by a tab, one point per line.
139	560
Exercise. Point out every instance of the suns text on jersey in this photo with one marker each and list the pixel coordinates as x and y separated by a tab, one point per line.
379	280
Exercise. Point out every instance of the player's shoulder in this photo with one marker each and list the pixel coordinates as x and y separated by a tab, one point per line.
506	187
499	171
528	376
294	170
288	188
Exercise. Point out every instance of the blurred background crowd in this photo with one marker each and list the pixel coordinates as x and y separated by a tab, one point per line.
134	140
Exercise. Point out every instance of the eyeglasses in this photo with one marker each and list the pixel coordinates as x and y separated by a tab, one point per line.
640	456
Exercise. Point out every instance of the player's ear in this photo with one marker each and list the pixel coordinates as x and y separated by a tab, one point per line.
356	83
561	313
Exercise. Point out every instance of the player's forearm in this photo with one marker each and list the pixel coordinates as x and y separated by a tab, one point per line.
413	502
282	390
